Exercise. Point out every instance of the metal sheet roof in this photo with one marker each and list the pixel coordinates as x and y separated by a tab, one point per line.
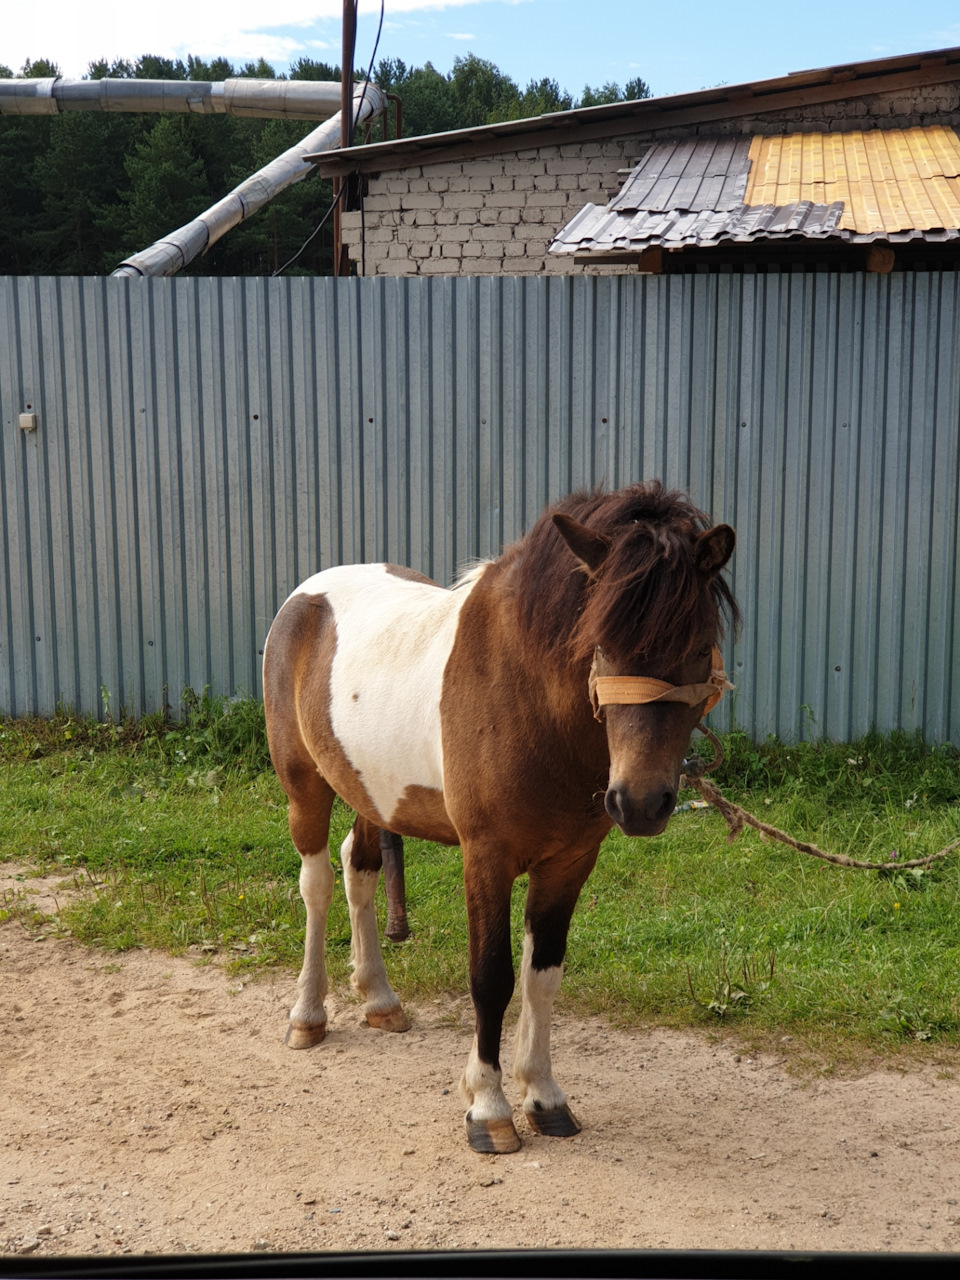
894	184
887	179
693	175
797	90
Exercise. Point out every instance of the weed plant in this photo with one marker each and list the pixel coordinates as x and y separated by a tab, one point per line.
174	835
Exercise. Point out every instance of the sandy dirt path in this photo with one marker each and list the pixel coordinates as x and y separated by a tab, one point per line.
149	1104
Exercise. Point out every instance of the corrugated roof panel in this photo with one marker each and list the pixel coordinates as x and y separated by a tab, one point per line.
861	212
878	158
897	184
732	192
902	158
886	178
834	166
794	150
856	157
765	164
698	174
946	146
936	151
678	158
813	168
894	214
917	197
945	198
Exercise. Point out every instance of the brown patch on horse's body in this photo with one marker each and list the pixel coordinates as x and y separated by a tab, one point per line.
422	813
410	575
523	755
297	703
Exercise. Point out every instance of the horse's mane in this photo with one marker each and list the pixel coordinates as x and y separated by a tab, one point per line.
649	591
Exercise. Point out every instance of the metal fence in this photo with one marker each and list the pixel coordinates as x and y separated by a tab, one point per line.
202	445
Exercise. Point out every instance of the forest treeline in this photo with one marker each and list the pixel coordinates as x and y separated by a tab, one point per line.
81	191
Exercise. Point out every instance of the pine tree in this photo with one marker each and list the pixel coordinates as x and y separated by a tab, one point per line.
168	186
81	191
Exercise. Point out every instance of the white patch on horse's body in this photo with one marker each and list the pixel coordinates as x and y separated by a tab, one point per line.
394	637
532	1069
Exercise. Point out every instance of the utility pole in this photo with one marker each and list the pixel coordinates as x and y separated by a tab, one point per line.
341	260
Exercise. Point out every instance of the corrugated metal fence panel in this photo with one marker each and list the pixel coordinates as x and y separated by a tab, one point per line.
204	445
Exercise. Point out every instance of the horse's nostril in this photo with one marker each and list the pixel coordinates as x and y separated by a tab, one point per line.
618	805
667	804
641	815
657	806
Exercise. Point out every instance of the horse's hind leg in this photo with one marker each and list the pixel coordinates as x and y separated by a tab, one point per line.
361	858
391	851
311	800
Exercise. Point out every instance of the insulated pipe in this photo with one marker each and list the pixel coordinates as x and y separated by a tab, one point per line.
263	99
167	256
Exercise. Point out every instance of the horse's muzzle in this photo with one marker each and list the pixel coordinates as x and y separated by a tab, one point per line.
645	816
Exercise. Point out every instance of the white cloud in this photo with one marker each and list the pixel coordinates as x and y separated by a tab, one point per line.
73	35
460	35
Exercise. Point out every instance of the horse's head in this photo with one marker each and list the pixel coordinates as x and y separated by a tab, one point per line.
652	613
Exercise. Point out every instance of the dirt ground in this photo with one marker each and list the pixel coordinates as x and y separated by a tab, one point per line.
148	1104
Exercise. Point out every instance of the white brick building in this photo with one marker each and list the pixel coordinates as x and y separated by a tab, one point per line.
489	200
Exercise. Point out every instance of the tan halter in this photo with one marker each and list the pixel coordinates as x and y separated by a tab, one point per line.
632	690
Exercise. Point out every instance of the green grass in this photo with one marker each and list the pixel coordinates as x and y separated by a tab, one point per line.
175	836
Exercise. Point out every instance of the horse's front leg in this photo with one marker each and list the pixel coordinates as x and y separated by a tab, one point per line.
360	856
489	1118
551	898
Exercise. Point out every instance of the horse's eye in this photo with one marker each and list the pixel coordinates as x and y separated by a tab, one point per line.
705	653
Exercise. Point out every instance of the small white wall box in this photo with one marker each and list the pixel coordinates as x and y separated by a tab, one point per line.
28	422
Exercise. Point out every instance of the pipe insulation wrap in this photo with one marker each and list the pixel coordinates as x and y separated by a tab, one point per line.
167	256
261	99
27	98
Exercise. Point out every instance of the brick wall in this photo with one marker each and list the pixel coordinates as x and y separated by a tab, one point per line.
491	216
496	215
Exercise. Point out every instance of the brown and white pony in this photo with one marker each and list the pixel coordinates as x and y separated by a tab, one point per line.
467	716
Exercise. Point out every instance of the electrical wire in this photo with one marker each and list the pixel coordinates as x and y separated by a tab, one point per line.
353	124
313	234
376	46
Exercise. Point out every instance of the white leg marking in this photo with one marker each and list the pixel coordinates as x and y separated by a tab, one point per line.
481	1090
369	973
531	1061
316	889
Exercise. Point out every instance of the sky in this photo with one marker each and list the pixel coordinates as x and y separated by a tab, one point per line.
576	42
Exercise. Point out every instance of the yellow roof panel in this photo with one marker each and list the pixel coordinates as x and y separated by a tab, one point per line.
887	179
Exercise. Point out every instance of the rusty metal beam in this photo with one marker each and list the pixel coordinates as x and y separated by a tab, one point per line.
341	258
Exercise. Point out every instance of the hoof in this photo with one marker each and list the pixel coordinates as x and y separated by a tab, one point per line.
558	1123
304	1035
397	930
389	1020
492	1137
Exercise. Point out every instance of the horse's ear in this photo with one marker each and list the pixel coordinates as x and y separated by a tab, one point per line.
589	547
714	549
